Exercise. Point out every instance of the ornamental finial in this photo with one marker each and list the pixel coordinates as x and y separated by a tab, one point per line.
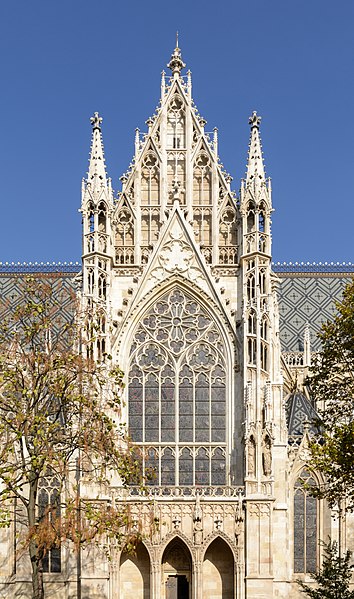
96	121
176	63
255	120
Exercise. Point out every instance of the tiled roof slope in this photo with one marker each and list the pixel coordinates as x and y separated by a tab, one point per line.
307	296
298	411
64	283
307	293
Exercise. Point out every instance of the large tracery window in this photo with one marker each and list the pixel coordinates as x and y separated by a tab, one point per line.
177	392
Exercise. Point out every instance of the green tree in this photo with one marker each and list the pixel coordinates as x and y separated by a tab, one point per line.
333	578
57	414
332	386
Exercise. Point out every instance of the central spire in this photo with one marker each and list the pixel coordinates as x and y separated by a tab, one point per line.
176	63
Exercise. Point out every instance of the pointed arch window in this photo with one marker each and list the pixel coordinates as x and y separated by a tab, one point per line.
305	525
124	242
177	392
150	181
102	217
251	218
49	509
251	287
176	124
228	236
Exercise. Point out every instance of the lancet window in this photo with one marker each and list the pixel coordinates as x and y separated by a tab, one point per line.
150	180
228	237
251	218
305	526
177	392
49	509
175	142
90	227
176	124
124	242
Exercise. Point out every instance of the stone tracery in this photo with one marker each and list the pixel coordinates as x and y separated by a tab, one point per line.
177	392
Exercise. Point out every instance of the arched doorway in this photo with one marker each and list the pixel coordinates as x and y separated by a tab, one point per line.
134	575
176	571
218	571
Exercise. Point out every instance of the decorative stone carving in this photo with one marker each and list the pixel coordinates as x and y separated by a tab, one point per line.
251	454
267	456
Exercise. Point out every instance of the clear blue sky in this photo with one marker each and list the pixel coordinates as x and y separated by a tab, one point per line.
293	62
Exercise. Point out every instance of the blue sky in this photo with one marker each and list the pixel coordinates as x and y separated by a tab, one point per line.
290	61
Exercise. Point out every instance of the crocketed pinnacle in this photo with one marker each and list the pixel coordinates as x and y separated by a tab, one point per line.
176	63
97	169
255	166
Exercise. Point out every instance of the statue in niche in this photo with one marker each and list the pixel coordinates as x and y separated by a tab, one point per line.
251	457
197	518
267	456
238	520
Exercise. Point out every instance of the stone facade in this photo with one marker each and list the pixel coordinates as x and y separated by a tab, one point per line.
177	275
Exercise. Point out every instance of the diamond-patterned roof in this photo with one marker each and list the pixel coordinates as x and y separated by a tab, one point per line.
307	299
63	283
298	411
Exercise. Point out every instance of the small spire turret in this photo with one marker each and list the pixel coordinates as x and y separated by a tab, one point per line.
97	170
255	166
176	63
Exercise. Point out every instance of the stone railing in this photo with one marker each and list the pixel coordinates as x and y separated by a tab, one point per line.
155	492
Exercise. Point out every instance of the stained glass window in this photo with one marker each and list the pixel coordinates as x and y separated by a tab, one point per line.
305	526
177	392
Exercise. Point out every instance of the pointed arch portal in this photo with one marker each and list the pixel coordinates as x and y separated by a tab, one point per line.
177	392
176	571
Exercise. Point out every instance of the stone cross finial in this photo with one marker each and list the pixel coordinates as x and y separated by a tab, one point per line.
255	120
176	63
96	121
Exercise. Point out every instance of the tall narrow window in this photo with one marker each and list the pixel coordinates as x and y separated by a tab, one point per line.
49	508
305	526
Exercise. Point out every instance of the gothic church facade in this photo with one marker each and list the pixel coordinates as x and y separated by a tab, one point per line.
177	270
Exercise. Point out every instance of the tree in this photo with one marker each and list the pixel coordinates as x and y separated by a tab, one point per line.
332	387
57	418
333	578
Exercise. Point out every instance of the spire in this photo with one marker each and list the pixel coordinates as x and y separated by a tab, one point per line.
176	63
255	166
97	169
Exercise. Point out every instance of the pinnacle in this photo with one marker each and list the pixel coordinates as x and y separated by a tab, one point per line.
255	166
97	170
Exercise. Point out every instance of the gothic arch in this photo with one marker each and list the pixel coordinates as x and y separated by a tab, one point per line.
137	312
218	568
135	567
176	535
307	522
219	534
178	400
146	543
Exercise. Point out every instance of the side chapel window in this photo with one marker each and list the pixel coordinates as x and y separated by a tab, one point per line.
305	526
49	507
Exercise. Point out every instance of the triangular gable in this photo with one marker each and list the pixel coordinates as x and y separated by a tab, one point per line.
177	256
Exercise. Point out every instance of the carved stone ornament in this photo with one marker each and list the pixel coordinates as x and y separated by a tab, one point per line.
177	257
